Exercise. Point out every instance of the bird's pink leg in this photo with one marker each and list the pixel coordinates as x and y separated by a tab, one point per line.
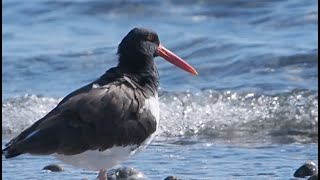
102	175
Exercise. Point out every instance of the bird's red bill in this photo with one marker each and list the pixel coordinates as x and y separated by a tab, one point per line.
176	60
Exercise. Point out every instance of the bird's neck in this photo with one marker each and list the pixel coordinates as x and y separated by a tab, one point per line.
148	82
136	62
142	70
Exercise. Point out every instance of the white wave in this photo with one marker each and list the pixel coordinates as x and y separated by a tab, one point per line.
289	117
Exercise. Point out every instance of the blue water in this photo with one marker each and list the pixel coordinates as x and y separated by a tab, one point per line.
252	113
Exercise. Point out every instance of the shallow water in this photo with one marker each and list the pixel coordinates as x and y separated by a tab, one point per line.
252	113
187	159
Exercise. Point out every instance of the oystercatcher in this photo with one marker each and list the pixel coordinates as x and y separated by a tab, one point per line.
103	123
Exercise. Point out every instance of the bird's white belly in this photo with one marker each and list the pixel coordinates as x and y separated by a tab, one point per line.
97	160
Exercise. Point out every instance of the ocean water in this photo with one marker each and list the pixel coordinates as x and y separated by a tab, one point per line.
252	113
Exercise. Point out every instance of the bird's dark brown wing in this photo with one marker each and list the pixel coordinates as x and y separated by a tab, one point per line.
97	116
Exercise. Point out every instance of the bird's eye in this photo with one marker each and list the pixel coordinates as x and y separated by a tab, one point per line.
150	37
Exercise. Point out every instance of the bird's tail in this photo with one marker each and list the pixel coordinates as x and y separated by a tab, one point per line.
10	152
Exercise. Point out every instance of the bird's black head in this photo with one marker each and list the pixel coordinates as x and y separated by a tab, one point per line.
138	48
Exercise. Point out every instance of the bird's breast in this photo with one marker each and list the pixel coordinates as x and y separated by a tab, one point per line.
151	104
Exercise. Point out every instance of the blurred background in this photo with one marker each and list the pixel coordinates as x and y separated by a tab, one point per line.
258	75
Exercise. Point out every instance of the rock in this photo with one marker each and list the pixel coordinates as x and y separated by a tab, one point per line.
126	173
172	178
53	168
307	169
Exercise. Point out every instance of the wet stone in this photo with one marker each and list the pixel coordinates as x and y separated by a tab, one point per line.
53	168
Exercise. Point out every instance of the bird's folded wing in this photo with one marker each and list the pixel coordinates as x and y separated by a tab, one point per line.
93	117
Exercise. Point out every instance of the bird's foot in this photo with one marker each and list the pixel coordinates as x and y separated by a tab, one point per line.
102	175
